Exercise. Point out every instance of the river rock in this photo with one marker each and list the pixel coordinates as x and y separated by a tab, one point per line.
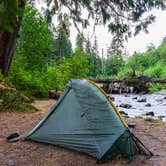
164	97
125	116
126	95
123	113
125	105
159	100
141	100
161	117
149	118
112	98
164	119
148	105
151	113
135	98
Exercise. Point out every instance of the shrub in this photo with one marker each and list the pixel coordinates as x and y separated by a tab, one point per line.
158	70
32	85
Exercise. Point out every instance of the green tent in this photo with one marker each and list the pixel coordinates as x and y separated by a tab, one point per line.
84	119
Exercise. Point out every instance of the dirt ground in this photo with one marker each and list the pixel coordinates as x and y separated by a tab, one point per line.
27	153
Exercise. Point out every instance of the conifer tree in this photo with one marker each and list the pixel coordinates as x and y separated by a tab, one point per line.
88	46
96	57
63	46
79	42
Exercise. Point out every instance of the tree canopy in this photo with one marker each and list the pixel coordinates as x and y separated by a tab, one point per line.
35	45
118	15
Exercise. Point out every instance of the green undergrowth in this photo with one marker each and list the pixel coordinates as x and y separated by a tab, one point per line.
12	100
157	87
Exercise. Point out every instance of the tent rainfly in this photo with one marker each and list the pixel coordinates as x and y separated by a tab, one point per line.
86	120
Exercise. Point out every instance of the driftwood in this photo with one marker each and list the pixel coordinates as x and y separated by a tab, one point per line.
145	79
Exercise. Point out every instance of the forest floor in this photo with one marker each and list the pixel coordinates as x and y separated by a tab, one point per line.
27	153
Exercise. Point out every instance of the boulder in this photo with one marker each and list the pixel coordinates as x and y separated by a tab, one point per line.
125	105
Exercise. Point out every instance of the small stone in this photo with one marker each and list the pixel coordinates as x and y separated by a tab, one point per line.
151	113
159	100
131	125
161	117
141	157
112	98
126	116
122	112
149	119
142	100
125	105
126	95
11	163
148	105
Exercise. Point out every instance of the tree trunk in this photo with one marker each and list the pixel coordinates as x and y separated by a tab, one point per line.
8	43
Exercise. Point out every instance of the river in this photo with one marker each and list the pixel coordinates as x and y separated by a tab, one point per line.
156	101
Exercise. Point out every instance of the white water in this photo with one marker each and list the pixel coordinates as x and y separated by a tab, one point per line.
157	101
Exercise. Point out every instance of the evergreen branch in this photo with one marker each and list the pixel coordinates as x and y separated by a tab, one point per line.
121	15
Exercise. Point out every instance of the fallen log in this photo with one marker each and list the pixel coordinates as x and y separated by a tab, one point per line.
139	84
107	80
158	80
145	79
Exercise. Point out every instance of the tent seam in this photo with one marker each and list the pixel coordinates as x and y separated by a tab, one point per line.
110	101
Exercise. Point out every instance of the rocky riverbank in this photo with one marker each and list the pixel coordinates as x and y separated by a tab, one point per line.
148	106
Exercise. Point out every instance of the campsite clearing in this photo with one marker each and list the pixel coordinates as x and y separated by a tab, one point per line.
31	153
